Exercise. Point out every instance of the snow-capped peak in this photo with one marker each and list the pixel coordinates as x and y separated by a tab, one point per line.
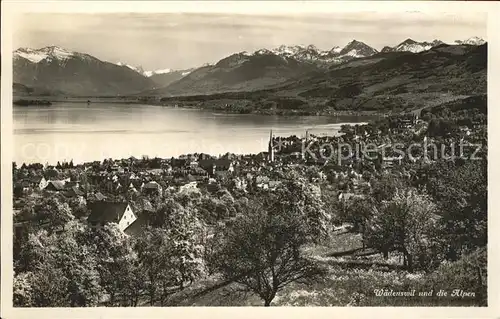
336	49
148	74
288	50
408	42
357	49
471	41
413	46
263	51
310	53
137	69
37	55
151	73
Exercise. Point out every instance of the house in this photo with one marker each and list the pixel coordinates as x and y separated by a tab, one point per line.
74	192
240	184
465	130
132	188
391	161
476	124
224	165
37	182
152	188
55	186
262	181
155	171
71	184
116	168
96	197
274	184
198	171
104	212
405	123
23	187
133	177
138	227
188	187
344	197
193	164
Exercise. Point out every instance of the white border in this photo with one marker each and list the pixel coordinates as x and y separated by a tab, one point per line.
11	8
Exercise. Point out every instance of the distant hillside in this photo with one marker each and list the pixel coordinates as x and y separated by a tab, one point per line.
392	81
58	70
164	79
238	72
355	77
19	89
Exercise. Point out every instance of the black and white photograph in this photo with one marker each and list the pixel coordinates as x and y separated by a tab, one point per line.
212	158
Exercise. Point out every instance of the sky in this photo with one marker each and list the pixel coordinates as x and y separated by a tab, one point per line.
185	40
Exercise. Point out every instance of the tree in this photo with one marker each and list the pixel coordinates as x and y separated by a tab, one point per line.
303	198
357	211
60	268
406	223
468	273
168	263
261	250
22	290
170	255
347	129
461	195
115	259
386	186
54	212
442	127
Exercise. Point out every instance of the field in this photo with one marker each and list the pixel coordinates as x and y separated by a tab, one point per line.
352	275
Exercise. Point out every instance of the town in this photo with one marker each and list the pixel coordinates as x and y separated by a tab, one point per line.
132	207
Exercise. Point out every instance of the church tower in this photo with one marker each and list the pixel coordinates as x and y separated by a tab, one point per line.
270	148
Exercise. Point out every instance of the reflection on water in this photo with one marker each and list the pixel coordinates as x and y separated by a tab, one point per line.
75	131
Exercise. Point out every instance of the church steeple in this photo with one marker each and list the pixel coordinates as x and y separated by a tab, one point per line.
270	148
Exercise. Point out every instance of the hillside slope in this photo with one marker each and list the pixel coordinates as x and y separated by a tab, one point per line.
238	72
386	82
56	69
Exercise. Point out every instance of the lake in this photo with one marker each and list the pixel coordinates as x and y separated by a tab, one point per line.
83	133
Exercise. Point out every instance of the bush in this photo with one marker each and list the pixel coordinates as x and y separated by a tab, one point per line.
468	274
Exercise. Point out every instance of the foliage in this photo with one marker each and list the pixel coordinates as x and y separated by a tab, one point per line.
23	292
356	211
115	258
60	269
406	223
261	251
460	192
53	211
295	194
468	274
170	255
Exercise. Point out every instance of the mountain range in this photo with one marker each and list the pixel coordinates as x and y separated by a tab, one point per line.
384	82
54	70
161	77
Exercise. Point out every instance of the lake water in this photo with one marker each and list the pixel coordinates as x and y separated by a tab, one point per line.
84	133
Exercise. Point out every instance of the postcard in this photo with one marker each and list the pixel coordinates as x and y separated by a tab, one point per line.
298	158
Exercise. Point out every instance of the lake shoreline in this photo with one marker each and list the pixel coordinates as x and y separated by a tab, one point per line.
101	130
297	112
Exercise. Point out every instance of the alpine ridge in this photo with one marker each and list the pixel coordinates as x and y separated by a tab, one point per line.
55	69
62	71
410	45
